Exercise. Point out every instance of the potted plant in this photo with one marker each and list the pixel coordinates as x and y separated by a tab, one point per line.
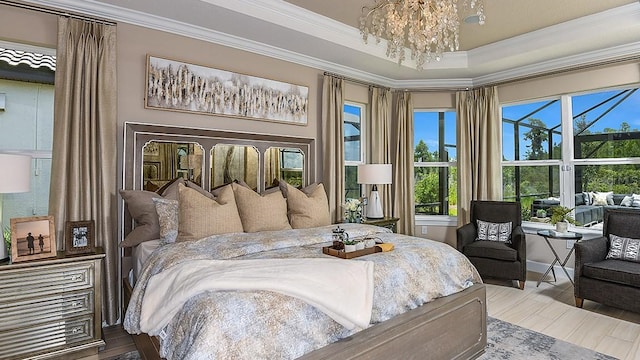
561	217
349	244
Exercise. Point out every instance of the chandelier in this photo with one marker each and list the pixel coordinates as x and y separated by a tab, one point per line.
428	27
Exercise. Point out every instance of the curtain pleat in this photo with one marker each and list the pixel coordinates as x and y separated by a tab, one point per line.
333	143
83	181
403	195
380	140
479	156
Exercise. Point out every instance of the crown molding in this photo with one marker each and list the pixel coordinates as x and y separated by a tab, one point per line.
523	55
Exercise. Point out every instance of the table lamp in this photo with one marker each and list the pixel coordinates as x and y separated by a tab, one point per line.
15	178
374	174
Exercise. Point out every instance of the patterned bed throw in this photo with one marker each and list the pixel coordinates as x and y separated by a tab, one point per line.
247	323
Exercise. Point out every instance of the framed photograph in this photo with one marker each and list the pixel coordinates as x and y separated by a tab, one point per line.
32	238
79	237
179	86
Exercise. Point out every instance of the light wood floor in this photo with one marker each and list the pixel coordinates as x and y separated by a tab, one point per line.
548	309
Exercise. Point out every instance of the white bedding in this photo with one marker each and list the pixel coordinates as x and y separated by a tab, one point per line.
140	254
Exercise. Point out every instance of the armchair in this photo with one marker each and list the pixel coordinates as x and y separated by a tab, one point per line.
610	282
495	259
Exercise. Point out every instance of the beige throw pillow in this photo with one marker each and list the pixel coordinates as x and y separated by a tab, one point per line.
143	211
308	207
201	216
261	212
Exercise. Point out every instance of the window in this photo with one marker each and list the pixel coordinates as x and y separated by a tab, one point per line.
435	162
570	148
26	123
353	147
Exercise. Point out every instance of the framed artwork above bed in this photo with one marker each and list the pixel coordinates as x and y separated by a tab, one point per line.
180	86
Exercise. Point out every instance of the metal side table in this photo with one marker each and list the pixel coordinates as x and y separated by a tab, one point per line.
550	234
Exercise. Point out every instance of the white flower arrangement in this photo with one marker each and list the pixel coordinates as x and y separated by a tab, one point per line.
353	210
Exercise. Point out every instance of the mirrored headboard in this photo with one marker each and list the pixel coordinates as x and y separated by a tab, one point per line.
156	154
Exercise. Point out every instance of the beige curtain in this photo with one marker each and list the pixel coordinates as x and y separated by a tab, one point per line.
380	140
272	169
479	173
83	167
333	143
403	195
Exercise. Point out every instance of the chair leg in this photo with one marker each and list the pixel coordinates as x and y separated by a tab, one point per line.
579	302
521	284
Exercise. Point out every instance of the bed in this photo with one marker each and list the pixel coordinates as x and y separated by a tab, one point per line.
424	297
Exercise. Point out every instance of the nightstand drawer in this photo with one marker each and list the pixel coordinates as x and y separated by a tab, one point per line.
39	310
45	337
21	284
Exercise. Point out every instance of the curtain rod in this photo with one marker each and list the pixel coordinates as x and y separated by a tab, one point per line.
55	12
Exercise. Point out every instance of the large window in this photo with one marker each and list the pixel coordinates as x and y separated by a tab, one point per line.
435	162
26	123
354	115
567	150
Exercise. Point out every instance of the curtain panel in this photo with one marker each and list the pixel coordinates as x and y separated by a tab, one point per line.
83	181
403	194
479	156
380	140
333	143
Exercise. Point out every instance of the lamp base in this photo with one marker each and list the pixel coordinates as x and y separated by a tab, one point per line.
374	209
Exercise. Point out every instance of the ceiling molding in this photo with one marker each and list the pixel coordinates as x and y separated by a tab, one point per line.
498	62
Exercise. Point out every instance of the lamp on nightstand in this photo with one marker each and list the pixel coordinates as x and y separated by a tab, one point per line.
374	174
15	178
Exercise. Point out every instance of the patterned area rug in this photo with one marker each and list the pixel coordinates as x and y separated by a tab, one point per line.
507	341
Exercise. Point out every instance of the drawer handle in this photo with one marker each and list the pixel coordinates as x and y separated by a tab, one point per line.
76	330
75	304
76	277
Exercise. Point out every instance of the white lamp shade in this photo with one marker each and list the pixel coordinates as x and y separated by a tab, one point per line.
16	173
374	174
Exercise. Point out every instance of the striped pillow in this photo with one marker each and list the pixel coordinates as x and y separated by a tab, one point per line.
494	231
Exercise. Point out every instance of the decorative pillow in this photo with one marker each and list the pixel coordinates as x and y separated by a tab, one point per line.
261	212
308	207
600	198
636	200
201	216
624	248
627	201
494	231
143	211
168	213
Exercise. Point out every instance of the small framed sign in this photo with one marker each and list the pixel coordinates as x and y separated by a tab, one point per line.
79	237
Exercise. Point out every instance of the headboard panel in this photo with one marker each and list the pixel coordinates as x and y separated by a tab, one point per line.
136	135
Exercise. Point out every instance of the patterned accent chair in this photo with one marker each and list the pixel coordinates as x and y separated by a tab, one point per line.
610	282
495	259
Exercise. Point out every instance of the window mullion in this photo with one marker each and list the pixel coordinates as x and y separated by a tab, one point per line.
567	167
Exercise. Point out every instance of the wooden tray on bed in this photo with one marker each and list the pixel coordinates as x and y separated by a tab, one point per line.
331	250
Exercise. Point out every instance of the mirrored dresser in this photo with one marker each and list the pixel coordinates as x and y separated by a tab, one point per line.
51	308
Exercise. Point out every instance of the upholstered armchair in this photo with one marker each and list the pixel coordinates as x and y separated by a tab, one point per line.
613	282
495	259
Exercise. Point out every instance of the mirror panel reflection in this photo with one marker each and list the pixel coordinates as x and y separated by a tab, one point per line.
165	161
234	162
283	163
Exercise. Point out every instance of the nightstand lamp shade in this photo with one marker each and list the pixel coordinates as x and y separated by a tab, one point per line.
15	178
374	174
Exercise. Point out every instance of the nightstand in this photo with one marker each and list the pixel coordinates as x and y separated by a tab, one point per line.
51	307
387	222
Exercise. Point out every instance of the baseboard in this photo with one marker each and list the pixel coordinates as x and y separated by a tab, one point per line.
540	268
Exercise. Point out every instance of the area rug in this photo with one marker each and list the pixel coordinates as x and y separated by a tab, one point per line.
507	341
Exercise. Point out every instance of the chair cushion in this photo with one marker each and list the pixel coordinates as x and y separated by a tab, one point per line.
617	271
494	231
622	248
491	250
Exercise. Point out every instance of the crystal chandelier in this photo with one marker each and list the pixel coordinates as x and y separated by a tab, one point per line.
428	27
